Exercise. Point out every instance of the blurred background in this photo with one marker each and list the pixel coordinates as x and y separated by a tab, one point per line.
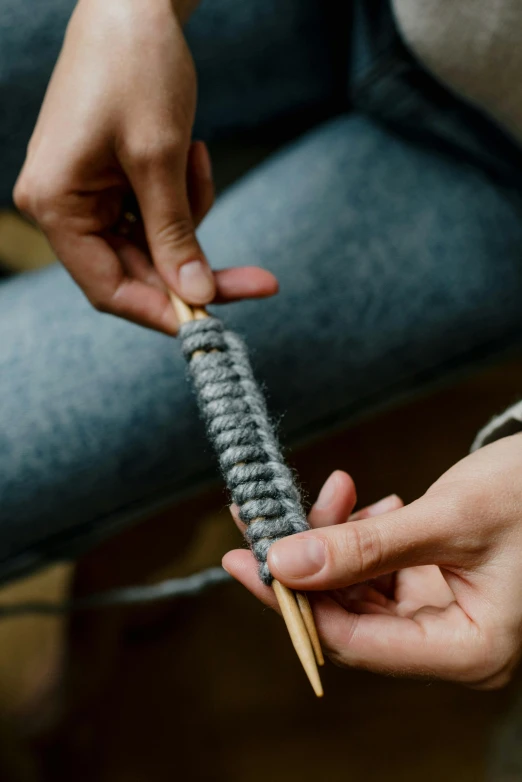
209	688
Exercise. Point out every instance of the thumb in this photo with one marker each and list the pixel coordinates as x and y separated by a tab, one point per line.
344	554
160	186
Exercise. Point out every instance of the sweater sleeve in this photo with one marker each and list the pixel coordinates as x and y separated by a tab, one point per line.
508	422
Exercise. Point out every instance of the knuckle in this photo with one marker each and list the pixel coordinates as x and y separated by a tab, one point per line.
146	150
21	194
175	233
40	201
362	548
48	214
34	196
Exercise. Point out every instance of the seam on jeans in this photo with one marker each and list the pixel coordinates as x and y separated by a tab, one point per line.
368	74
362	71
386	73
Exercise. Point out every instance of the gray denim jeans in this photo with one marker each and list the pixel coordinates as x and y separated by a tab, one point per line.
390	212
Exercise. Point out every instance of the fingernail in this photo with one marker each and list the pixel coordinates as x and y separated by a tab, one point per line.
196	282
204	163
327	493
297	557
383	506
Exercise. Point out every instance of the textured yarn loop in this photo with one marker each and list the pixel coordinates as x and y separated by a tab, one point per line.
238	425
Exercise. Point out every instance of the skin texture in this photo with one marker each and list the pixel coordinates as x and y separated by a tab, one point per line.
113	136
432	589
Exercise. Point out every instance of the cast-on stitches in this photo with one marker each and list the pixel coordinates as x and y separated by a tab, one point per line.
239	428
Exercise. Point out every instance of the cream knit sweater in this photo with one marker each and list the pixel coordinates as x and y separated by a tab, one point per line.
474	47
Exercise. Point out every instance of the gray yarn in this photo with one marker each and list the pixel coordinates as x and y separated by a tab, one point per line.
237	423
169	589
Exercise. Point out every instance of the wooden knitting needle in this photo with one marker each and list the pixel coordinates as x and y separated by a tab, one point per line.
309	621
298	632
295	608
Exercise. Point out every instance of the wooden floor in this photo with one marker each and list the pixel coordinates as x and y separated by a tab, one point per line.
209	688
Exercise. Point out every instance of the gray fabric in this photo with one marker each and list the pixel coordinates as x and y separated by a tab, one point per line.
170	589
507	423
238	426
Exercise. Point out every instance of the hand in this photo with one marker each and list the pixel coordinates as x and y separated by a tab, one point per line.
116	122
453	609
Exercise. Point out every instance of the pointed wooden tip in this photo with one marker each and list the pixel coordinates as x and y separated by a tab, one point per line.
200	313
309	621
298	634
183	311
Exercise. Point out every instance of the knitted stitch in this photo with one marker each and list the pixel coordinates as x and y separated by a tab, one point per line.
237	423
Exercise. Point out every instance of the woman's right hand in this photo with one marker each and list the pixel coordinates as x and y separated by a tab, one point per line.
115	127
430	589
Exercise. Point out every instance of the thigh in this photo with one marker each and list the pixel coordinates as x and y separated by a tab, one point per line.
397	267
255	65
261	63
